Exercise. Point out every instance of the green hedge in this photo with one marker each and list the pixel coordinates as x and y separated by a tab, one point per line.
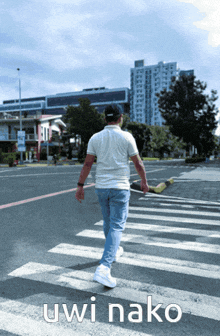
194	159
9	157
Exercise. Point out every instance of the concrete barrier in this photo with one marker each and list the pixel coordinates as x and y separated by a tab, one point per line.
158	189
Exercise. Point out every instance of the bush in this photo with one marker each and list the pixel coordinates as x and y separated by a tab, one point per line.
194	159
43	155
9	158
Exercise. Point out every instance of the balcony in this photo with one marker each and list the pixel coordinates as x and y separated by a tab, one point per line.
28	137
31	137
17	118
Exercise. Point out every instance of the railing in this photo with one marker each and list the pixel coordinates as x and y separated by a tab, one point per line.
18	118
31	137
28	137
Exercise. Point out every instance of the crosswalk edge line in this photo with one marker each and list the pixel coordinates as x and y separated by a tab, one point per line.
197	309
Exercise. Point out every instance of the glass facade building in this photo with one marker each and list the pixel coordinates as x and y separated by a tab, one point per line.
186	73
57	104
99	97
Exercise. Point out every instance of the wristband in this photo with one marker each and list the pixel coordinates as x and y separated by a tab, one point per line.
80	184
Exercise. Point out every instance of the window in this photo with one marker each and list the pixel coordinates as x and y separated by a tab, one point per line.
94	98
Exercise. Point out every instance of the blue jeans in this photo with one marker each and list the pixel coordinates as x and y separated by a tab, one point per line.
114	205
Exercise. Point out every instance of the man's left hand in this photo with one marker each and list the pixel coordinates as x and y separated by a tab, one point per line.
79	194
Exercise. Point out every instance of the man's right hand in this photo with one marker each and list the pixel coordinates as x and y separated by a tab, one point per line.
144	187
139	166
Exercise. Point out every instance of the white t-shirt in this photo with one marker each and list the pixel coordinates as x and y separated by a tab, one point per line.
113	147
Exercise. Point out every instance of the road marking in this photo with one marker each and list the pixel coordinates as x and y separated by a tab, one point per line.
141	260
170	229
155	170
174	199
176	219
150	171
190	303
41	197
161	242
169	203
60	173
21	326
42	174
24	319
195	180
3	171
179	205
184	212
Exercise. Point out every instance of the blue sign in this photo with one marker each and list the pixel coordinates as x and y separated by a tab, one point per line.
21	148
21	138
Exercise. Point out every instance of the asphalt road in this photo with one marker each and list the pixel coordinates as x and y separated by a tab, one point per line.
50	246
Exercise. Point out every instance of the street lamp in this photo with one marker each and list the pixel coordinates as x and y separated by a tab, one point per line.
21	153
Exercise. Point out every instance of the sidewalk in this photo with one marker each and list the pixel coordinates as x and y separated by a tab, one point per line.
41	164
212	164
201	183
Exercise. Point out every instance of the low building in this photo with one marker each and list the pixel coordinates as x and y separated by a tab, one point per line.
99	98
41	117
39	130
57	104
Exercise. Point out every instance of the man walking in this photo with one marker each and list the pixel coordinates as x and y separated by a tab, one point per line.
112	147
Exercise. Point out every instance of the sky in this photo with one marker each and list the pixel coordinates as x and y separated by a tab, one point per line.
70	45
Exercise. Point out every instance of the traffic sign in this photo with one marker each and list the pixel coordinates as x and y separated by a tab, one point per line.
21	138
21	148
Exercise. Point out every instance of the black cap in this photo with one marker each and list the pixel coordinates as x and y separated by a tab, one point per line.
113	111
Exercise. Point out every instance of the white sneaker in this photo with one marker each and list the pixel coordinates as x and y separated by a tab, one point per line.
103	276
119	253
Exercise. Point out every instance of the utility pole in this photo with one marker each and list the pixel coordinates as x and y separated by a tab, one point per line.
21	152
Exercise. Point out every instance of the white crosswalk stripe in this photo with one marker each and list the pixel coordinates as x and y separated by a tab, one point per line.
142	260
176	219
175	200
171	229
162	242
183	212
136	291
166	225
25	319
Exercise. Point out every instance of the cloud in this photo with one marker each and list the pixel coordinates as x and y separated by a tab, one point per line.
63	45
211	22
138	7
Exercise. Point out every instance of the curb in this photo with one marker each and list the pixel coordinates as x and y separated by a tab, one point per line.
40	165
158	189
7	166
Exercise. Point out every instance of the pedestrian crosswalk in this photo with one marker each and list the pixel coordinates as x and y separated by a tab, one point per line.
165	238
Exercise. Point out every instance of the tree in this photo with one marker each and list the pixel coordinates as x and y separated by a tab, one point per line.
141	133
126	121
189	113
83	120
163	141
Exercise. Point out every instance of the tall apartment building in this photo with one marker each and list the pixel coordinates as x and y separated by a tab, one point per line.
146	81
